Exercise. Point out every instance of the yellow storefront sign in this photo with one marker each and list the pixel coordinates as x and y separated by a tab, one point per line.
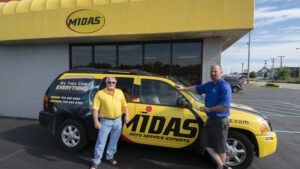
85	21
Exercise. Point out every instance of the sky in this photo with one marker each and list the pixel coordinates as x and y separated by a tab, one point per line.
276	33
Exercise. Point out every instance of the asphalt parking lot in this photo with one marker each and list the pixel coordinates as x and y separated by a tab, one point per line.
25	144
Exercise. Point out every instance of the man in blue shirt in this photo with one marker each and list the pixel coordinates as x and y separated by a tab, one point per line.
217	104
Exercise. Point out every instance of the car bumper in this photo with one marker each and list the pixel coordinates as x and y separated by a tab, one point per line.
47	120
267	144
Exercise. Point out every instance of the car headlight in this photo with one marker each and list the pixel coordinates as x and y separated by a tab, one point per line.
264	127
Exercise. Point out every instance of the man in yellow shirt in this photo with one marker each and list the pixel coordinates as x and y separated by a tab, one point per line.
110	103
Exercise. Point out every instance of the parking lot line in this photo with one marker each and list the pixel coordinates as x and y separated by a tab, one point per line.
286	131
263	103
13	154
273	108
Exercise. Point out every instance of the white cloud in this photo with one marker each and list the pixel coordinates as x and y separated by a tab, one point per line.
235	55
271	1
267	15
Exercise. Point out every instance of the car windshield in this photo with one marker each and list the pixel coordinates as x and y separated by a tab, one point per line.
186	83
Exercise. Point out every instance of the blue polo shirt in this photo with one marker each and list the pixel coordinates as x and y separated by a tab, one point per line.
216	94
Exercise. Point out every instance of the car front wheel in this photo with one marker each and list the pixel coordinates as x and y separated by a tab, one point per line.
235	89
240	150
71	135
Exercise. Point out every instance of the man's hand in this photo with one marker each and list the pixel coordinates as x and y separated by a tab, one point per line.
126	119
179	87
97	125
204	109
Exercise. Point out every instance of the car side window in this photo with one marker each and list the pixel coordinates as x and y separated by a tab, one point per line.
158	93
125	84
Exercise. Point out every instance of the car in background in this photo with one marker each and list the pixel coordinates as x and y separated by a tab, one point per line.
235	83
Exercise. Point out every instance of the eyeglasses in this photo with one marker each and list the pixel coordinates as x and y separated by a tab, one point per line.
111	82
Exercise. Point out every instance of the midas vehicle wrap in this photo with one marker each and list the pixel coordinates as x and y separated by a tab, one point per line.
159	115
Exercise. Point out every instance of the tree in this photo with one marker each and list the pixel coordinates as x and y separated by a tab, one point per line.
283	73
266	75
252	74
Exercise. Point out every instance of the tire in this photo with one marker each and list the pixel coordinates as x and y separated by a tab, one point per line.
72	135
239	147
235	89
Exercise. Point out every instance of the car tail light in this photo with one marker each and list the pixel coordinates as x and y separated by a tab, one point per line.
45	103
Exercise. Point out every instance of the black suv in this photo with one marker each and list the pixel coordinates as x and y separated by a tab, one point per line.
235	83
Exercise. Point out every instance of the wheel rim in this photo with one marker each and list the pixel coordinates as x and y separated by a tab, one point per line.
70	136
236	153
235	90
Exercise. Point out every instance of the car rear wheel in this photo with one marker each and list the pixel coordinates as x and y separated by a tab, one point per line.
240	150
235	89
71	135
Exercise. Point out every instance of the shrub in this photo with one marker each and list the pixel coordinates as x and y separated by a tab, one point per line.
252	74
272	85
283	74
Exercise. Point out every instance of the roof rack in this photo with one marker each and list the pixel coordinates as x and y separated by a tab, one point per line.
112	71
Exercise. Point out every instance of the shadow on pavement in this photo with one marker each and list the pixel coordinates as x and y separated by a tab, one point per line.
42	147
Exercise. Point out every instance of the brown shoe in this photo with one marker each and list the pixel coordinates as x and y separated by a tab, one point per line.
94	166
112	161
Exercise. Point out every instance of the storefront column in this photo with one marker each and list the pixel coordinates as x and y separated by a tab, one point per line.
212	48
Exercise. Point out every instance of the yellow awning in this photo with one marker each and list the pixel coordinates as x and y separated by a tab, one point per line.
124	20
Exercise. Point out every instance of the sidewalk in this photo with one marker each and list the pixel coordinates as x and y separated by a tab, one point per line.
283	85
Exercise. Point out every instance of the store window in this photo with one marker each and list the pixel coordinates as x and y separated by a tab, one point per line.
105	56
182	60
157	58
130	56
187	58
81	56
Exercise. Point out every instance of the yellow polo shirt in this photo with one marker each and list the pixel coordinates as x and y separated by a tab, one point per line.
109	106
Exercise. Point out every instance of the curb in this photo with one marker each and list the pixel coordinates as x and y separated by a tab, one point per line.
251	84
270	86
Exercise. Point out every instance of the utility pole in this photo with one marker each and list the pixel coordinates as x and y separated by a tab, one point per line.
273	60
281	60
248	57
265	62
242	68
264	68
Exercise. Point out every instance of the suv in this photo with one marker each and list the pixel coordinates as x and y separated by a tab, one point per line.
235	83
160	115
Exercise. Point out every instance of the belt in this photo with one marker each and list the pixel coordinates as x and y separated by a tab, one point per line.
110	118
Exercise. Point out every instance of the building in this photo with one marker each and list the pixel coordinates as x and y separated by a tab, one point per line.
295	72
262	71
39	39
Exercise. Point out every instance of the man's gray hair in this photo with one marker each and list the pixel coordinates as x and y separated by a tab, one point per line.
110	77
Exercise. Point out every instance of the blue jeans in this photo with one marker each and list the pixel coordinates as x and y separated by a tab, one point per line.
112	127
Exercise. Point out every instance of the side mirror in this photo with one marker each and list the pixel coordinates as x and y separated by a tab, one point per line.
183	103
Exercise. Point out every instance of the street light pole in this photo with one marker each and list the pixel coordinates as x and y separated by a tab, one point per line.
242	68
281	60
248	57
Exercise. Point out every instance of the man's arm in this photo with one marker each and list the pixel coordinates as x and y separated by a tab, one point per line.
96	120
191	88
126	119
217	108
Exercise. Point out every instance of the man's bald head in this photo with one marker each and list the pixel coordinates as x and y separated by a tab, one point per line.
216	72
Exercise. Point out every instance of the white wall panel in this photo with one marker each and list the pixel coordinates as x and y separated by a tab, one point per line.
25	74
